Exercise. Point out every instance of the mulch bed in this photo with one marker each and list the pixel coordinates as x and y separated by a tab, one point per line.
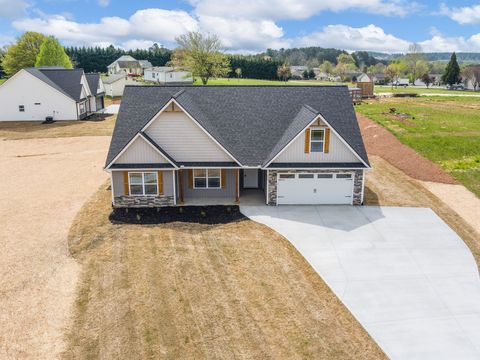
381	142
217	214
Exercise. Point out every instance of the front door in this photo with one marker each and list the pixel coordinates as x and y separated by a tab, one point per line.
250	178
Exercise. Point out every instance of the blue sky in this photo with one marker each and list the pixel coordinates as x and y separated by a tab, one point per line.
251	25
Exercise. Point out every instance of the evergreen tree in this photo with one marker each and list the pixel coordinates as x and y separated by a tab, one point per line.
23	53
451	75
52	54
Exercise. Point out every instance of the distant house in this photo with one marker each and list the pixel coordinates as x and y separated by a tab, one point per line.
167	75
34	94
115	84
297	71
321	76
127	64
363	78
379	78
437	80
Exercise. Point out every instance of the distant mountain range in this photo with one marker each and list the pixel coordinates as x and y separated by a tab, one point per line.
434	56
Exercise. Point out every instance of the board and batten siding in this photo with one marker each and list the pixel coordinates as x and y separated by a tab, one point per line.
141	152
184	140
39	99
229	192
119	187
338	152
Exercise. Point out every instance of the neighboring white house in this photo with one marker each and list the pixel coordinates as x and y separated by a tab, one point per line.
167	75
115	84
33	94
437	80
127	64
363	78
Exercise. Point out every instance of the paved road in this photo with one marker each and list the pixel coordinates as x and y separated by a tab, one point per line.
403	273
44	184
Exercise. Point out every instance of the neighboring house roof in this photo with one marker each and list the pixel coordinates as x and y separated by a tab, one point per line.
145	64
113	78
252	123
67	81
122	58
128	64
93	80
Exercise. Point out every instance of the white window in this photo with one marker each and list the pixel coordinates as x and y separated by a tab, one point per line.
317	140
21	108
153	75
207	179
143	183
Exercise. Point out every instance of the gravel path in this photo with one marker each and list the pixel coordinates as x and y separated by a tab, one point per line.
379	141
44	183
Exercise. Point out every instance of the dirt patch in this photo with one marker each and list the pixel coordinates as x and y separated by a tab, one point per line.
379	141
217	214
98	126
387	185
196	291
39	197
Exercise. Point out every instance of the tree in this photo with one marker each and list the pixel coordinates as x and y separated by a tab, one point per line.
201	55
23	53
345	59
311	74
305	74
394	71
326	67
472	74
415	61
52	54
238	72
284	72
427	79
451	75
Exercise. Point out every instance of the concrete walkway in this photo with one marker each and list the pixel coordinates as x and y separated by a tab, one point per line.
403	273
112	109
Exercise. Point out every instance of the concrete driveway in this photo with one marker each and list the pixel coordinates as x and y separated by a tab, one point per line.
403	273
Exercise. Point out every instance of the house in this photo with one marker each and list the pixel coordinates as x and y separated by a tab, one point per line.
33	94
167	75
363	78
298	70
379	78
436	80
322	76
127	64
115	84
192	145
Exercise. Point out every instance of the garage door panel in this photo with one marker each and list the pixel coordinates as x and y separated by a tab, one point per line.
318	189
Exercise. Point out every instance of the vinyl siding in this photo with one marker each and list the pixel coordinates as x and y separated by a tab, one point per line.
184	140
118	186
338	152
140	152
227	192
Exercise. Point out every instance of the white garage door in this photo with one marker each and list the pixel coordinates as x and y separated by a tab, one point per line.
308	189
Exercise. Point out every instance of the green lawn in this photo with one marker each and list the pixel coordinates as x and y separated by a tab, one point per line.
446	130
380	89
2	81
228	81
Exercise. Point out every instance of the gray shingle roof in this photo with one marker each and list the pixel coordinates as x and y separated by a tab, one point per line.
67	81
93	80
114	77
251	122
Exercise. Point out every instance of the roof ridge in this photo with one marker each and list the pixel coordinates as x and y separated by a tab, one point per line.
242	86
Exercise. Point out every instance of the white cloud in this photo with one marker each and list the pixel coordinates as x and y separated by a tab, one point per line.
244	35
13	8
462	15
154	25
370	37
439	43
297	9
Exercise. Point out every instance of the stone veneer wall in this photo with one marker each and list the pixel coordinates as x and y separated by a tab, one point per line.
143	201
272	183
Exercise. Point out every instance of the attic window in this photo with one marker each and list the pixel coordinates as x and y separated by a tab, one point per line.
21	108
317	140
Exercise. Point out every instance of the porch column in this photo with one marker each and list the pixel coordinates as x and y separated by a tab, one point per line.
237	185
180	182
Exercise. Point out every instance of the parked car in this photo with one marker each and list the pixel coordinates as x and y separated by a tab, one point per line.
456	87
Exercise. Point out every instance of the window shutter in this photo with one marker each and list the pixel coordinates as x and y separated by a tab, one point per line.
307	141
223	174
190	178
327	140
160	182
126	190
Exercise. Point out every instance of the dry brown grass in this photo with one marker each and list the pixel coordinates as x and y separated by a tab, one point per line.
14	130
191	291
387	185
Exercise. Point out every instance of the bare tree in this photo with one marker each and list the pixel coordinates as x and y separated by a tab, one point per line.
284	72
472	74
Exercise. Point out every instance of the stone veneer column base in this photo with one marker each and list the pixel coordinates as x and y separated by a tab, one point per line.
357	183
143	201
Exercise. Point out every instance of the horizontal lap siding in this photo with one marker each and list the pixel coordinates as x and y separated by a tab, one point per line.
227	192
118	184
338	152
140	152
184	140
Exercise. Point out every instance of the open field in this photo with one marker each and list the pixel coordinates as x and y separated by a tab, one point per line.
232	81
185	290
379	89
445	130
14	130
